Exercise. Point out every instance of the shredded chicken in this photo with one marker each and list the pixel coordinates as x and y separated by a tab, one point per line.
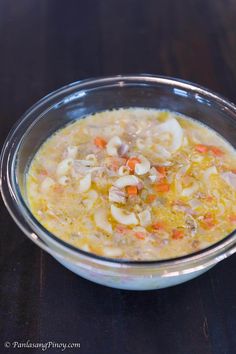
230	178
191	224
117	195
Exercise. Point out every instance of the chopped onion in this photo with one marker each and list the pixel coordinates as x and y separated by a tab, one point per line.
154	175
208	172
181	172
152	178
140	185
186	192
194	203
165	163
196	158
145	218
230	178
85	183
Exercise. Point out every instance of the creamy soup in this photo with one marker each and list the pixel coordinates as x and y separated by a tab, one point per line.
136	184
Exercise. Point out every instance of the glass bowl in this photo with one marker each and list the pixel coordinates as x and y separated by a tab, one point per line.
77	100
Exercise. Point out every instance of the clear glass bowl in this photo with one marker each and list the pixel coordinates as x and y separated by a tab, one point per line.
77	100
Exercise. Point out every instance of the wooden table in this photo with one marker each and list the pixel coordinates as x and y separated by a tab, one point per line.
49	43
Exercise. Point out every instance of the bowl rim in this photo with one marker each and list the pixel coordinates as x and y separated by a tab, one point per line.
214	250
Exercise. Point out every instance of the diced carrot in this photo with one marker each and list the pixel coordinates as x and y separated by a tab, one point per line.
232	218
162	187
158	225
208	216
213	149
58	188
121	228
140	235
131	162
178	202
177	234
209	198
151	198
209	225
201	148
208	221
216	151
233	170
161	170
132	190
100	142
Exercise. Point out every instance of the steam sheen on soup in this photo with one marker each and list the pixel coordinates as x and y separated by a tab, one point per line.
136	184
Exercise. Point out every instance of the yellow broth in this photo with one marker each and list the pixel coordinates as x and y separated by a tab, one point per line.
138	184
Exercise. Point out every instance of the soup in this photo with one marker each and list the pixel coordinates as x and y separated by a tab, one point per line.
137	184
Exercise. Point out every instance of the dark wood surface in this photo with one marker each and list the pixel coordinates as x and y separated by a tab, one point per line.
46	44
